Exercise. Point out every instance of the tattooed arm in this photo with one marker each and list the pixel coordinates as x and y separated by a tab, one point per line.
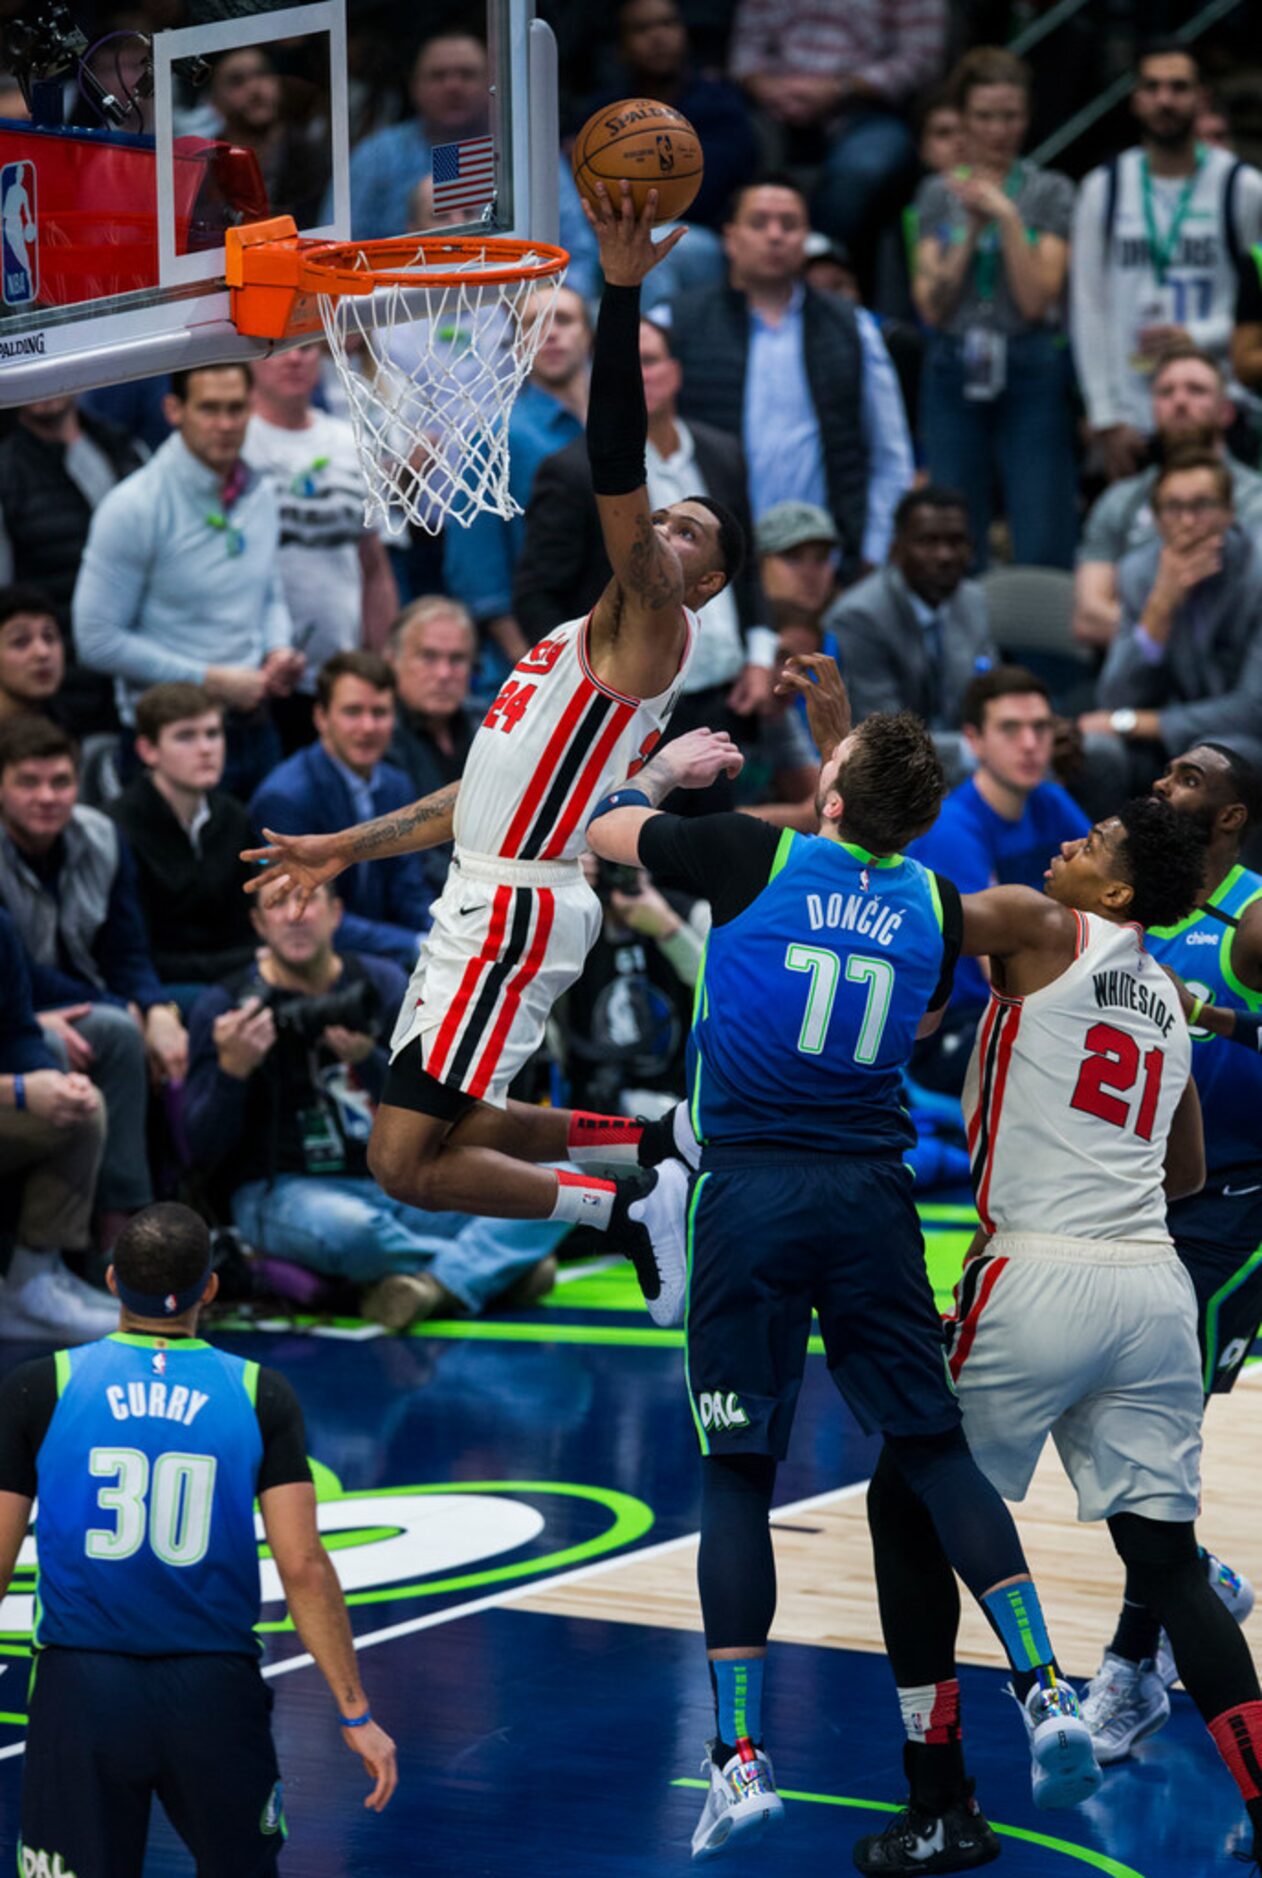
293	866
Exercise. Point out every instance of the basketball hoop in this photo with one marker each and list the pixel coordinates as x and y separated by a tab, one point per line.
432	344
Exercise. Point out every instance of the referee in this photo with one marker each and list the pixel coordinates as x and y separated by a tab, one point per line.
147	1450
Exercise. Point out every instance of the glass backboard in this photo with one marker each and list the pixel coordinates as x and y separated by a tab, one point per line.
141	150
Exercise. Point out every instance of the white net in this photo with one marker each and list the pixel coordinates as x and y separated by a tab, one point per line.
431	372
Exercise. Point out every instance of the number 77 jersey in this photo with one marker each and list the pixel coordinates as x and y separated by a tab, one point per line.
1071	1091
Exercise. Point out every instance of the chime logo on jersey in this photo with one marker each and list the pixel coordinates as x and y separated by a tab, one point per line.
719	1410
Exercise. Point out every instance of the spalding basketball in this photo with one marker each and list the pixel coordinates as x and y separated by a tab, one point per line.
649	145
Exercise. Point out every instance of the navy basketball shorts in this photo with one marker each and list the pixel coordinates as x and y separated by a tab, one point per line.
1218	1235
772	1235
109	1733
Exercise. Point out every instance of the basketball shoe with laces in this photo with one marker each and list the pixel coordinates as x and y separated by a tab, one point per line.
1063	1766
956	1839
1123	1703
742	1801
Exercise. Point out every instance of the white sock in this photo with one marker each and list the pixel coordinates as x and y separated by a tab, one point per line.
581	1197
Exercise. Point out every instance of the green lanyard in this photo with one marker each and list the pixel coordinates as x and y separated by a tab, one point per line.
986	255
1160	253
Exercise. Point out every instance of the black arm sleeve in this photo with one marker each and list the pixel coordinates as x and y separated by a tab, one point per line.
284	1433
727	859
617	416
28	1396
952	939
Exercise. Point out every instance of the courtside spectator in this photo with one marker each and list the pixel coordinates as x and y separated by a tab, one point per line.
991	258
1158	233
915	634
563	567
69	885
1186	663
551	411
845	75
1190	409
52	1134
782	367
186	838
339	585
432	648
32	655
279	1105
57	463
999	827
344	779
180	578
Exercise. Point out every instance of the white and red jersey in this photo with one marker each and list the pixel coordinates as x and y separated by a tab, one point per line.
553	743
1071	1091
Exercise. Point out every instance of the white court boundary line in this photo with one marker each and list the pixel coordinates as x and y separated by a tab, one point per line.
528	1587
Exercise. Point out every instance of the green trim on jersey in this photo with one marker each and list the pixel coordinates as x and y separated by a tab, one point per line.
62	1361
150	1340
1220	893
935	896
784	848
250	1383
702	1437
1253	999
869	860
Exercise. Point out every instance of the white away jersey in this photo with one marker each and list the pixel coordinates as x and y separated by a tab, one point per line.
1070	1093
552	744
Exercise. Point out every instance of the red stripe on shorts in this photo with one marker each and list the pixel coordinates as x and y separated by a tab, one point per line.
512	994
968	1329
458	1009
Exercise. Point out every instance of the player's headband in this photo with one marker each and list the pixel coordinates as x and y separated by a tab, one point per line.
154	1304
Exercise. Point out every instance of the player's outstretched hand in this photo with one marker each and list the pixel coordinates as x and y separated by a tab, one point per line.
817	677
377	1751
697	759
291	867
627	249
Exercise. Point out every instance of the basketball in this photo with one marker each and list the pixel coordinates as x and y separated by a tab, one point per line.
647	144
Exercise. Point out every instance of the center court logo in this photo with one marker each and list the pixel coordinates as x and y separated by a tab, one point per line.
719	1410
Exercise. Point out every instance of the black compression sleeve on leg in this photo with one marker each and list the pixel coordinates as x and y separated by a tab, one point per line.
736	1567
915	1586
1165	1569
617	416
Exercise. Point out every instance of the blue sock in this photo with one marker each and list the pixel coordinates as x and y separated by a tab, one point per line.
1016	1616
737	1684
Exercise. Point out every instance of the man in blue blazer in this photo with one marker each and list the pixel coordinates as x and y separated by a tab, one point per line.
342	779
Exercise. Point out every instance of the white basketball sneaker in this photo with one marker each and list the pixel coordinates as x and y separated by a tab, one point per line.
655	1239
742	1802
1122	1704
52	1305
1063	1766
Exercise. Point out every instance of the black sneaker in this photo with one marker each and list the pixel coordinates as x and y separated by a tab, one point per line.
649	1226
669	1137
958	1839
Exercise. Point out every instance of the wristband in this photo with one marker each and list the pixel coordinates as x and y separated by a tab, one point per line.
1248	1031
1198	1005
359	1721
627	798
19	1091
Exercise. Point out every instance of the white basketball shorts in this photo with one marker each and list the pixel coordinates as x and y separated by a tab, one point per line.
507	939
1092	1342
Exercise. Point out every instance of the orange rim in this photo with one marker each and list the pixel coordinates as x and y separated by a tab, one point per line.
394	261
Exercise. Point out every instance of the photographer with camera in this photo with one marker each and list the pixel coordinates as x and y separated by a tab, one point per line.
286	1066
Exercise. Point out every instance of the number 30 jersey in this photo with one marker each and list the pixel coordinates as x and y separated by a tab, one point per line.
1071	1091
552	744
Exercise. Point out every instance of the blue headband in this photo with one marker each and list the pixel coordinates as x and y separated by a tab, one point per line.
152	1304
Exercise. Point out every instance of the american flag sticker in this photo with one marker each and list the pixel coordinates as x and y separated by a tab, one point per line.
464	174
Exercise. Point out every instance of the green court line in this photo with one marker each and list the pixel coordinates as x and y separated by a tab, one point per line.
1099	1861
7	1715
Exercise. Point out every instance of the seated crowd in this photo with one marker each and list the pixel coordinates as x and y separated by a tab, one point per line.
201	641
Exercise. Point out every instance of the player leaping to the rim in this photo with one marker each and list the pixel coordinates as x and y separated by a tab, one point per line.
515	921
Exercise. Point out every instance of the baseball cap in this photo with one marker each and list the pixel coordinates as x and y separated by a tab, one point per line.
789	524
821	247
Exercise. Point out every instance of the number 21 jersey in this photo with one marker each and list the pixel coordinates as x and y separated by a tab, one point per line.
1071	1091
552	744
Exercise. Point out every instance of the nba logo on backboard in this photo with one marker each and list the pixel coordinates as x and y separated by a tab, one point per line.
19	261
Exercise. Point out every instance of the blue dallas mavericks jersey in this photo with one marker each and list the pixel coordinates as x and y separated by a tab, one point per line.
1228	1078
809	1000
145	1525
